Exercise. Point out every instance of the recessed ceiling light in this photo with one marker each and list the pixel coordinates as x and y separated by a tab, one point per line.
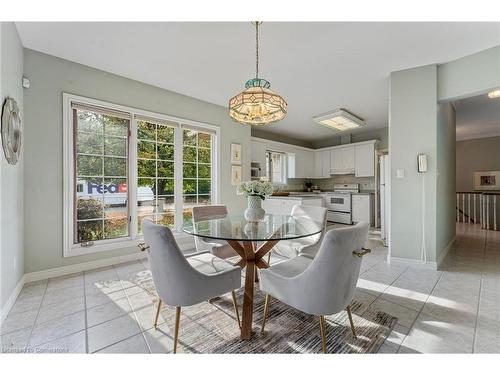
494	94
340	120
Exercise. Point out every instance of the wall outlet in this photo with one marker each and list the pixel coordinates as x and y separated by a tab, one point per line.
400	173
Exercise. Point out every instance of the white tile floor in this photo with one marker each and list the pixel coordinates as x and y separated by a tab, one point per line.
456	309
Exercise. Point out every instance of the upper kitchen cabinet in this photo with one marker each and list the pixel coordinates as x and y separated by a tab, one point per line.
304	164
364	160
322	166
342	160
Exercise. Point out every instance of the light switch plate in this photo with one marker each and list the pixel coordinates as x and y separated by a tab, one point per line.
400	173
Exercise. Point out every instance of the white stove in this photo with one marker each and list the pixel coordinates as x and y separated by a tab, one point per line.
339	201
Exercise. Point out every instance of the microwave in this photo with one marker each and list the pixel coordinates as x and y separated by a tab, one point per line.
487	180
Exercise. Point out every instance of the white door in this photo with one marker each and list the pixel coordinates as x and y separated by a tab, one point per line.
336	159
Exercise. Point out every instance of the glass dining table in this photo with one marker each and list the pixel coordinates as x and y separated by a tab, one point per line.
252	241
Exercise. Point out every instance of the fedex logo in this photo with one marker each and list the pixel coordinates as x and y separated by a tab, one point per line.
103	188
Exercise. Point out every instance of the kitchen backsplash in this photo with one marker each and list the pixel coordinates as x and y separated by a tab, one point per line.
297	184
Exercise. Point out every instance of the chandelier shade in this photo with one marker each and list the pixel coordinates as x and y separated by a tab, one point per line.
257	105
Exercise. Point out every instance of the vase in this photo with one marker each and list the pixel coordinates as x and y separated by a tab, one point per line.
254	211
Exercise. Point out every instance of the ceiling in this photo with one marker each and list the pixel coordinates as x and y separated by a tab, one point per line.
477	117
316	67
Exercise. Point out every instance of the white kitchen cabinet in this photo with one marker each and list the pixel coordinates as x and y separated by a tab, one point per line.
342	160
303	164
284	205
362	208
322	167
318	164
364	160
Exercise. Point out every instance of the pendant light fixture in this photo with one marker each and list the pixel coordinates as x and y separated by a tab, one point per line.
257	104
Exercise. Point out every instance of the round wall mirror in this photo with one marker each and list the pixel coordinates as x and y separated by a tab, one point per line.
11	131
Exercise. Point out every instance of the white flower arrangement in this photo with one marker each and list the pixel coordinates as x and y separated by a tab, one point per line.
258	188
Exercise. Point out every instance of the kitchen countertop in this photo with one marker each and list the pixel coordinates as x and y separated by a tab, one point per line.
295	196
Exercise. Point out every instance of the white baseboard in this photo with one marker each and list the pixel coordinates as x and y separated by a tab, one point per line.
79	267
446	250
413	263
184	244
12	299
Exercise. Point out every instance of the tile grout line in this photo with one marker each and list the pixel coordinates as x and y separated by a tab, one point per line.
480	291
421	309
133	312
85	307
37	313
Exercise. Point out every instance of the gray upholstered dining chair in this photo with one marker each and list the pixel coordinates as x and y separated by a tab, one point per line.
322	285
219	248
292	248
185	281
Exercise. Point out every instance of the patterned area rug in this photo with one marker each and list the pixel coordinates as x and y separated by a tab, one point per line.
212	328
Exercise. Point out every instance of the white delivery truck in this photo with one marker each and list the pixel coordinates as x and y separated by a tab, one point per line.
112	194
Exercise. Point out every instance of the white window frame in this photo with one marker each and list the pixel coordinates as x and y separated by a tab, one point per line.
69	248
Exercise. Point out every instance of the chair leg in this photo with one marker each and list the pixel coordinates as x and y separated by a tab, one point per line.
269	258
235	305
349	314
176	329
322	330
157	314
266	304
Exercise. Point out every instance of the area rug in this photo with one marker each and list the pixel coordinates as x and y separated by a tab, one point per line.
212	328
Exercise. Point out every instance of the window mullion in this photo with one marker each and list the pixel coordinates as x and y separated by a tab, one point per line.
178	181
132	183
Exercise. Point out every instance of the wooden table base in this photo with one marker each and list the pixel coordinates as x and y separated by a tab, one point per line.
251	258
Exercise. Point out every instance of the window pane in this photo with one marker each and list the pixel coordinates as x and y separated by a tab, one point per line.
115	146
88	165
166	219
165	169
189	154
189	170
204	186
204	140
115	166
115	198
89	208
189	203
165	186
146	168
89	231
89	122
115	228
146	130
203	155
204	199
165	134
165	151
189	186
189	137
155	194
146	150
115	126
89	143
204	171
101	204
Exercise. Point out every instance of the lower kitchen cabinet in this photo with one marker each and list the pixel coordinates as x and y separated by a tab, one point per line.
363	208
283	206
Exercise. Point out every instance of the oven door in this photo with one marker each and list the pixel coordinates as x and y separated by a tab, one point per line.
339	202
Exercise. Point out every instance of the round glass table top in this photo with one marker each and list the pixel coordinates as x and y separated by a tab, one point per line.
236	227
